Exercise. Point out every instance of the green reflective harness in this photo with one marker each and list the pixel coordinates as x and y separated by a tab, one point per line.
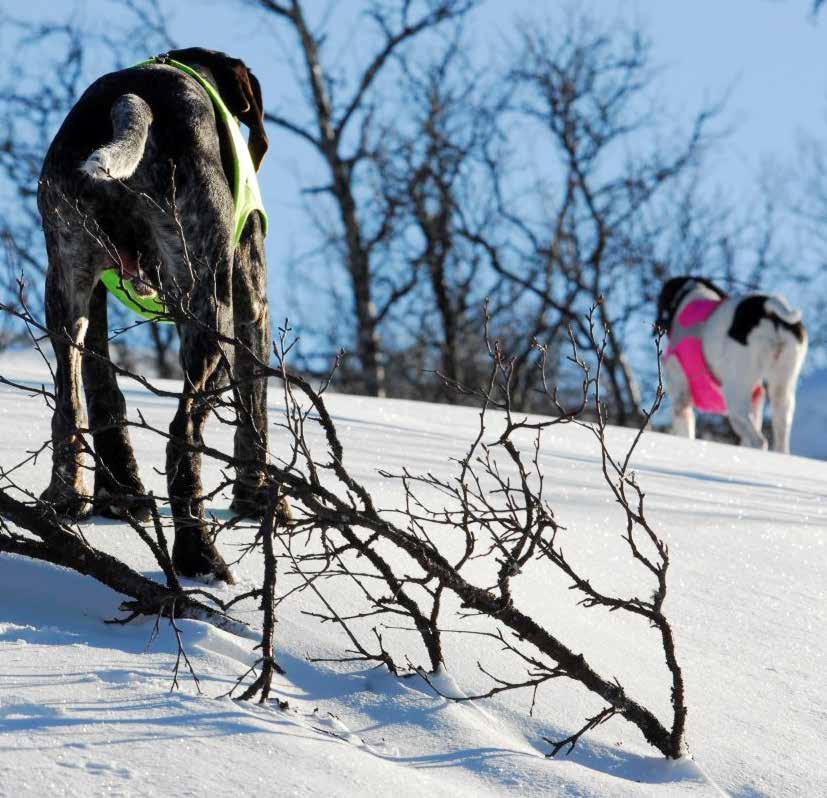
246	199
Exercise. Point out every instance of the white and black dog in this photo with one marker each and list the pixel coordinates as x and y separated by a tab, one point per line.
726	354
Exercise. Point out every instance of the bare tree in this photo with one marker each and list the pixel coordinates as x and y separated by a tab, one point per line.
340	132
589	91
30	111
431	168
587	227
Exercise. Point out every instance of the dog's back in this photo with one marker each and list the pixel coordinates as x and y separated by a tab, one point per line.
181	113
154	127
760	322
758	334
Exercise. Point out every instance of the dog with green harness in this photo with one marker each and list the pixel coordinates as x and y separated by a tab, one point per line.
149	192
246	199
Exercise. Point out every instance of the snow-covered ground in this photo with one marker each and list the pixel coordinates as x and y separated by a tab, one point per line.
86	708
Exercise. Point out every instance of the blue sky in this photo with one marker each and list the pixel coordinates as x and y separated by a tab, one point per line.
770	56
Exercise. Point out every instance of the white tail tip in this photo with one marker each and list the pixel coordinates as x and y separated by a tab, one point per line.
98	166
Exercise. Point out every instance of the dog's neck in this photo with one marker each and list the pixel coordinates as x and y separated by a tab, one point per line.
693	289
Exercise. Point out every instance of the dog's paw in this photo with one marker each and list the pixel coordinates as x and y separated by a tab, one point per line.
119	506
195	556
66	503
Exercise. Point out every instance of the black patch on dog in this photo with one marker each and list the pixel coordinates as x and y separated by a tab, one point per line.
751	312
748	315
674	292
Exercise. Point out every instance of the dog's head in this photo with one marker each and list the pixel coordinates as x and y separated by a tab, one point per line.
238	87
674	291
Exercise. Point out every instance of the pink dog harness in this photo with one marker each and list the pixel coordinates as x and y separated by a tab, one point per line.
707	395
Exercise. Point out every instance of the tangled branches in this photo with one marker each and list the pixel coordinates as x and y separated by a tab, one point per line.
493	511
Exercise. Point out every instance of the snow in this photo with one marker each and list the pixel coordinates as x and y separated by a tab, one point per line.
86	707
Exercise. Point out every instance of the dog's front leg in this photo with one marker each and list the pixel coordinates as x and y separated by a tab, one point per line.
683	414
252	330
683	420
756	414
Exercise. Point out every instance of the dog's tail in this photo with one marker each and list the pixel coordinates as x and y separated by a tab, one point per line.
777	306
131	118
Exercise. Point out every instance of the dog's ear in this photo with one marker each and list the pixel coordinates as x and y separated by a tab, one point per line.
666	301
240	90
253	117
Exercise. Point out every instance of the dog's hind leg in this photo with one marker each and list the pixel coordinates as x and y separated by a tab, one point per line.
782	380
781	386
206	228
782	400
252	329
118	487
740	417
756	412
193	553
68	287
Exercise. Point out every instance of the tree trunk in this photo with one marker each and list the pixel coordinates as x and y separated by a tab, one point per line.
368	346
